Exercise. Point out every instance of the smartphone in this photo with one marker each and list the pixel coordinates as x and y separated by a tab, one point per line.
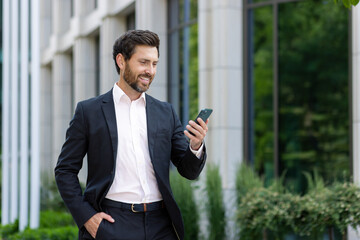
204	114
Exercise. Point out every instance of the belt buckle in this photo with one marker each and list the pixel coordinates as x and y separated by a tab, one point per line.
132	208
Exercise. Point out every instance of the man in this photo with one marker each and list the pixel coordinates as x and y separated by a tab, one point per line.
129	138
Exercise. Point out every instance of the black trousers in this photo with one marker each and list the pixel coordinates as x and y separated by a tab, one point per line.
152	225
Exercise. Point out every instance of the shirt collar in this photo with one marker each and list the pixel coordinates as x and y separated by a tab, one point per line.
118	93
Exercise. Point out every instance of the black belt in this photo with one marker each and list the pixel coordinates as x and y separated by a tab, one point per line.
141	207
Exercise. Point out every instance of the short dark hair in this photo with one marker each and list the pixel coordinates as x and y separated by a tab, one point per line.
127	42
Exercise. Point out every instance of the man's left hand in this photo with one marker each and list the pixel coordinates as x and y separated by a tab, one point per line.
199	131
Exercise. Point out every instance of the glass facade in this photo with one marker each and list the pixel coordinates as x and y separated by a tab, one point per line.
262	90
183	57
297	104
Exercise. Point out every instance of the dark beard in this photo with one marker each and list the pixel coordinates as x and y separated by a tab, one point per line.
128	74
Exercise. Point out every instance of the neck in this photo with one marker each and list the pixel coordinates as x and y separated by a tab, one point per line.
128	90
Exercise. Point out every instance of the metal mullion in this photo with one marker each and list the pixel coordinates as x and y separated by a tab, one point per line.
35	115
173	53
24	116
6	104
14	196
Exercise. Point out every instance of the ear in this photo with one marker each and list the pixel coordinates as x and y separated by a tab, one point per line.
120	61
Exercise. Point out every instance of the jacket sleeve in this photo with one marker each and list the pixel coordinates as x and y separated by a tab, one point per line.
188	165
68	166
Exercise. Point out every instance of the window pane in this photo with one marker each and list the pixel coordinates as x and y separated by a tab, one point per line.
313	94
130	21
193	10
262	84
193	71
183	58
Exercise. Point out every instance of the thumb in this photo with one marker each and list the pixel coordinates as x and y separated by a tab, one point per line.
107	217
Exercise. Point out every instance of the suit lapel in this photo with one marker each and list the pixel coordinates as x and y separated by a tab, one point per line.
151	124
109	113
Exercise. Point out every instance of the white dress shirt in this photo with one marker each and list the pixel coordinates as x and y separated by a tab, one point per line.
134	180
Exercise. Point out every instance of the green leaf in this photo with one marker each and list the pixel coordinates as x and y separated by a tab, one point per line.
354	2
347	3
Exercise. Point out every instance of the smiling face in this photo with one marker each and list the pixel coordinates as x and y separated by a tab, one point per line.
137	73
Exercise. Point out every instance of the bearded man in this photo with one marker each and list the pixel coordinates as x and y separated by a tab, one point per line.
129	138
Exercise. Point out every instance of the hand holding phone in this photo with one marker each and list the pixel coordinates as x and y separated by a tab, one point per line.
204	114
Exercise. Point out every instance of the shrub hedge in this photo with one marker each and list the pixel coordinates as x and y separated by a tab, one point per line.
276	212
184	195
214	205
53	226
58	233
262	212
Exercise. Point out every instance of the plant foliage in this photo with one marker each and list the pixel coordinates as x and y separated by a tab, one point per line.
183	193
267	211
215	206
246	180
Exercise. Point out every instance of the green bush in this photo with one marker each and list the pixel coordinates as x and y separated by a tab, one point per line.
9	229
343	200
246	181
273	212
49	219
183	193
50	197
60	233
53	226
214	205
262	209
310	217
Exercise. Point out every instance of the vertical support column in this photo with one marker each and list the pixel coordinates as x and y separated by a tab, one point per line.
5	190
85	77
47	162
152	15
24	119
220	88
84	57
61	11
355	92
84	65
14	110
61	92
35	116
84	69
111	28
355	13
83	7
61	77
45	23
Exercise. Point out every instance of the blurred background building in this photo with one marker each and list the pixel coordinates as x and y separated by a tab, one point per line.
282	77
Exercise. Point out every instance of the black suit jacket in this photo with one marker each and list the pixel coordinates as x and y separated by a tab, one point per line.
93	131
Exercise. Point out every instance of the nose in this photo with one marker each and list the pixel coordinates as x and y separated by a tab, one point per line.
151	70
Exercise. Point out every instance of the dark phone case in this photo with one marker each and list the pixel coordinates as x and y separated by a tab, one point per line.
204	114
